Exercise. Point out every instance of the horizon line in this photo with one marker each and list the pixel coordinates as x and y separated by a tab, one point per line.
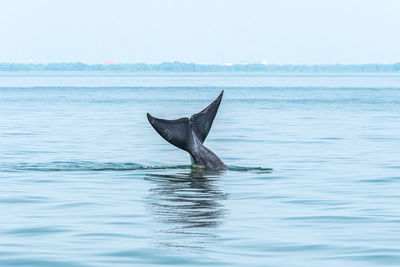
227	64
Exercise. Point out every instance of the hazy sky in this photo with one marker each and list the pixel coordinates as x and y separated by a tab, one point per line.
200	31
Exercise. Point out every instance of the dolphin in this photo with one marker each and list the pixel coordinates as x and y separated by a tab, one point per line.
189	134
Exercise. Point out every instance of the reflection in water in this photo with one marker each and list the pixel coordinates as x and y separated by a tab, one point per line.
187	205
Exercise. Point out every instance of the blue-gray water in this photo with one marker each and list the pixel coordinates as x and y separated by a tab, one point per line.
86	181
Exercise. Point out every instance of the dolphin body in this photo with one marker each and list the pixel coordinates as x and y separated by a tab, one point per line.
189	134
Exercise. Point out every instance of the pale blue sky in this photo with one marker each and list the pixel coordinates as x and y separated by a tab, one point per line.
206	31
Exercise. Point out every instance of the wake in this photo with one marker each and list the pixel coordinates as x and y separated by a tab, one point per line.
85	166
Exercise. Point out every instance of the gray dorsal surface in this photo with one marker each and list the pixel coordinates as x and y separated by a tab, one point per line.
189	134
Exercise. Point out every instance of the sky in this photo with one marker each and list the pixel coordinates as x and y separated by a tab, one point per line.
200	31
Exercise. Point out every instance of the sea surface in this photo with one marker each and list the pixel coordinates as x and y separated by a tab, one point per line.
314	176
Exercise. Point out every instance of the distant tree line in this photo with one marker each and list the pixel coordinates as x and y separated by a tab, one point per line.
191	67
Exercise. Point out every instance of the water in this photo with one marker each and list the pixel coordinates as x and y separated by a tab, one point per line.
86	181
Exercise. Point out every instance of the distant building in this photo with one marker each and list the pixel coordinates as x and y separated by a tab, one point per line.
109	62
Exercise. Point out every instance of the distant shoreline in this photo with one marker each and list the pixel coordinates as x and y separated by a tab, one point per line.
191	67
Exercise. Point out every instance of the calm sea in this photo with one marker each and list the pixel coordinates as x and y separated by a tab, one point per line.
86	181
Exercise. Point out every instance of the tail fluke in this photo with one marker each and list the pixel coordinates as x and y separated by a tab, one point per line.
180	132
189	134
177	132
201	122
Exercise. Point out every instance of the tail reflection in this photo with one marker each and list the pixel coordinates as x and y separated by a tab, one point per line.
188	206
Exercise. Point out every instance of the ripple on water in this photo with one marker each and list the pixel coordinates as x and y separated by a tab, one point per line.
36	231
66	166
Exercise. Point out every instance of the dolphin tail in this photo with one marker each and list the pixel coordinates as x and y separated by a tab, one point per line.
201	122
177	132
182	132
